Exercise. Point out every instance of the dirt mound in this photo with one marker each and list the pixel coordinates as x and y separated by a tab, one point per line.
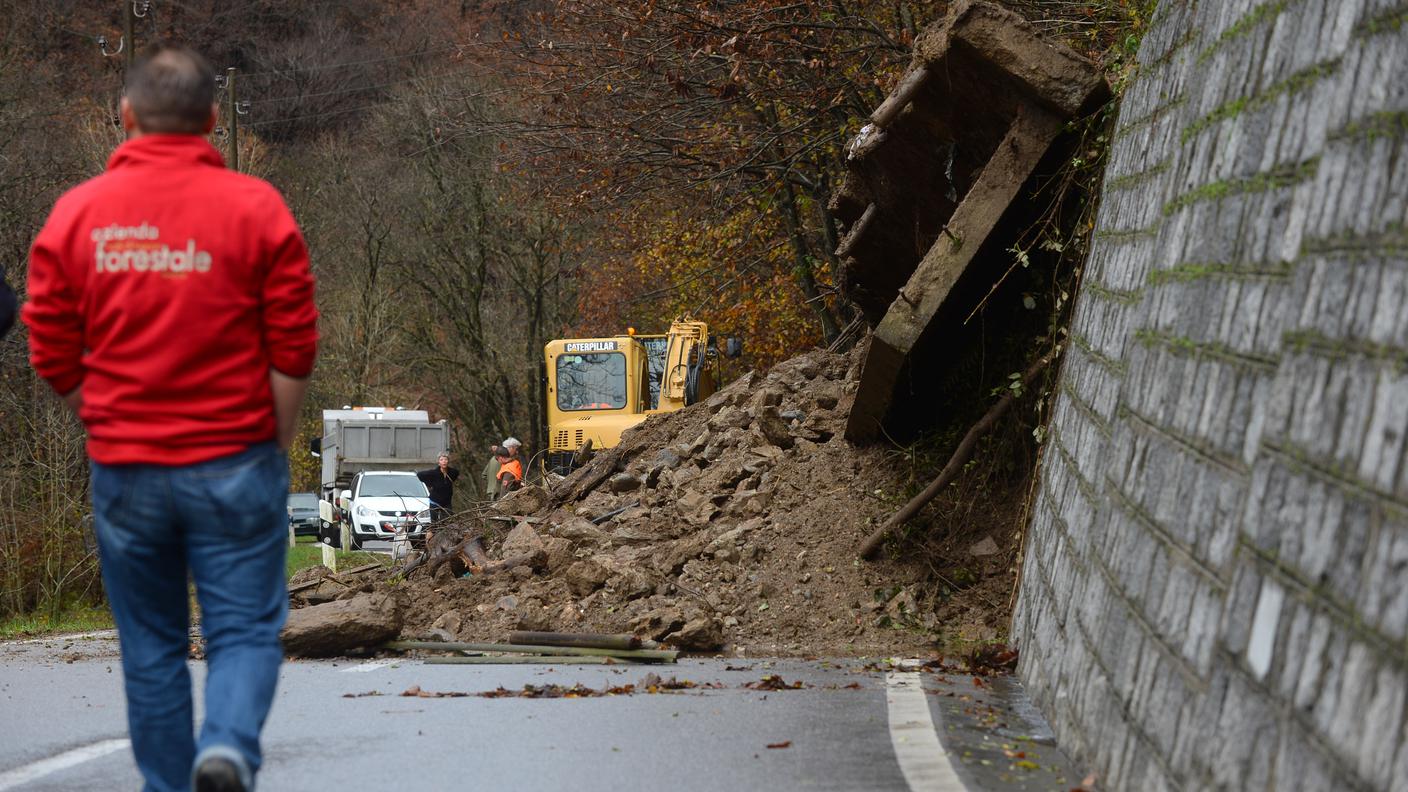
732	524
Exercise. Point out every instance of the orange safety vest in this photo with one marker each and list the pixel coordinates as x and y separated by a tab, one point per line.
512	466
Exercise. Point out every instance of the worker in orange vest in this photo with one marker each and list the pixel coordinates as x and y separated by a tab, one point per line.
510	470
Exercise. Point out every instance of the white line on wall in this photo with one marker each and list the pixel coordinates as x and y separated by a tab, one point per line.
36	770
922	758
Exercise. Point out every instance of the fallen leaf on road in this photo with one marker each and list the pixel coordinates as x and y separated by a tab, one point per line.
414	691
992	660
364	695
558	691
783	744
774	682
652	683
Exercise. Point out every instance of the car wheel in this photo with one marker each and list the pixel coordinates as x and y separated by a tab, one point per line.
356	544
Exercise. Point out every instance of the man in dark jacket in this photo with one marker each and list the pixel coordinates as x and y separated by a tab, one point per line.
440	481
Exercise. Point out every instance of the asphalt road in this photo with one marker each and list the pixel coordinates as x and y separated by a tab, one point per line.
854	726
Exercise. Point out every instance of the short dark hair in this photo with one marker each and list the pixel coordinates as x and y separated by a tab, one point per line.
171	90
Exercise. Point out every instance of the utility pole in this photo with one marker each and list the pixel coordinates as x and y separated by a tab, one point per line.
129	14
232	118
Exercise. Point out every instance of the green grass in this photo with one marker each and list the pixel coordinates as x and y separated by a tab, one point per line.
308	553
74	620
86	618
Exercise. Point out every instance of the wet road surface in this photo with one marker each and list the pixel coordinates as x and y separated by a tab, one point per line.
345	725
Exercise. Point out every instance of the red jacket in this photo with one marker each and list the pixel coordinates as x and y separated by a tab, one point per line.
167	288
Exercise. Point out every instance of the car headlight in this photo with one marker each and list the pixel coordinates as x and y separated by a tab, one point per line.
363	511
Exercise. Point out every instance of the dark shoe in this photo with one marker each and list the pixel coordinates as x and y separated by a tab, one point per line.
218	774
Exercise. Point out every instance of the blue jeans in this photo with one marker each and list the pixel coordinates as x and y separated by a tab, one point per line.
224	522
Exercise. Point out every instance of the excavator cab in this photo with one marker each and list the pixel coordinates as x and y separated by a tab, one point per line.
597	388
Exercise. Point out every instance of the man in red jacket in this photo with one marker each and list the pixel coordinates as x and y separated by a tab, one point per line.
171	305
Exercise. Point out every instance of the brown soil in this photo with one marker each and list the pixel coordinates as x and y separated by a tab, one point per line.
741	520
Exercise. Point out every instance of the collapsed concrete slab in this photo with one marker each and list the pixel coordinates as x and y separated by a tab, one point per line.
929	178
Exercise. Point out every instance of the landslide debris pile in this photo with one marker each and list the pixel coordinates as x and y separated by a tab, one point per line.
732	524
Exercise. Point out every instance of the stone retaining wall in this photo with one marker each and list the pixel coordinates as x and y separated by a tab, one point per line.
1215	585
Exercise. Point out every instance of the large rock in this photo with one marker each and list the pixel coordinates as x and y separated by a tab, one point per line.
529	499
522	540
586	576
667	459
578	529
335	628
770	426
699	634
658	623
625	576
730	417
559	553
670	558
697	507
450	621
735	536
623	482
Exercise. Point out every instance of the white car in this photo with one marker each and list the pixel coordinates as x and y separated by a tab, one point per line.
381	501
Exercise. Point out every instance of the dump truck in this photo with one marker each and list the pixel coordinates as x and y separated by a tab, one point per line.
372	440
597	388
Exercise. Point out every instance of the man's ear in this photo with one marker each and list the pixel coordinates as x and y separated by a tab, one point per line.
129	118
214	116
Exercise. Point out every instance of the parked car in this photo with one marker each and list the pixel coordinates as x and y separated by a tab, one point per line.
380	501
303	513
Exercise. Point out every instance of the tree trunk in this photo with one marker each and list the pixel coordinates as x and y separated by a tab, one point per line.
806	277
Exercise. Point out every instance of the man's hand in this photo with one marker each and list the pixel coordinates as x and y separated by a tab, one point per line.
288	401
74	399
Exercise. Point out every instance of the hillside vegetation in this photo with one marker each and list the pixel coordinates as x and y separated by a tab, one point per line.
474	179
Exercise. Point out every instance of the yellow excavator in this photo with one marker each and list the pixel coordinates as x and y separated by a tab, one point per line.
597	388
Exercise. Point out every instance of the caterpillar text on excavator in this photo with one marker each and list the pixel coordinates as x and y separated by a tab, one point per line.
597	388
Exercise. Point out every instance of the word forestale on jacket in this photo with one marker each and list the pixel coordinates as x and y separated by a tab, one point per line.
137	249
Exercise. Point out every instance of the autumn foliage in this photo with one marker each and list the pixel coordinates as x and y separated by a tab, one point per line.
706	138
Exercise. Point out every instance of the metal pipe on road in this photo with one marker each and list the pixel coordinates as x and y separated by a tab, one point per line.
647	655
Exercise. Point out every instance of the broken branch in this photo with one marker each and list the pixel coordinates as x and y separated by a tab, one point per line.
955	462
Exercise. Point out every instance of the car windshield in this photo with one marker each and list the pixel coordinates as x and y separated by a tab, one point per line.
591	382
391	486
303	500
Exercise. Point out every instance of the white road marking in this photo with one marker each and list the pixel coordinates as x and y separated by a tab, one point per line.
922	758
36	770
369	666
